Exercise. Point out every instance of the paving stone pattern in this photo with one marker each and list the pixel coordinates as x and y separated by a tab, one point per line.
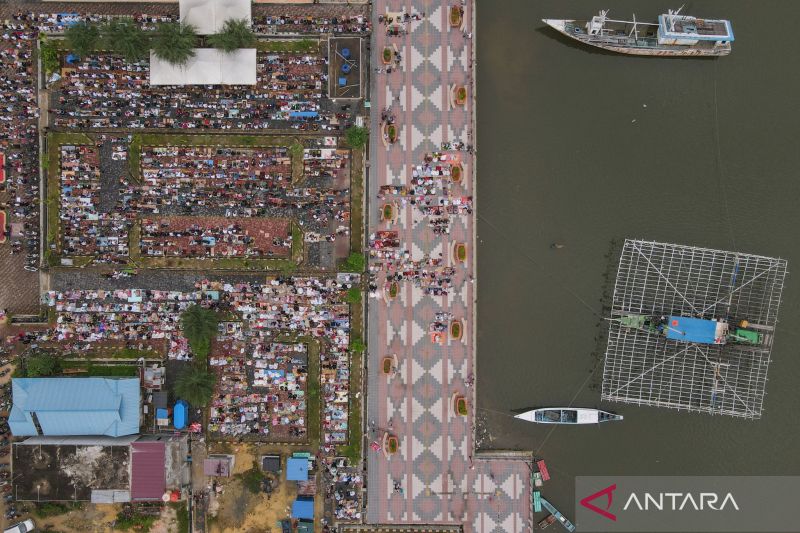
442	481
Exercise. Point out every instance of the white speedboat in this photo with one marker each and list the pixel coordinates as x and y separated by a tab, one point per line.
567	415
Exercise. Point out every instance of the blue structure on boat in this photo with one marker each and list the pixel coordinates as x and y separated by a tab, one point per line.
75	406
700	330
181	414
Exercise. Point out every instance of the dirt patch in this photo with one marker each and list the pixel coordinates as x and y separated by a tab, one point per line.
243	512
92	518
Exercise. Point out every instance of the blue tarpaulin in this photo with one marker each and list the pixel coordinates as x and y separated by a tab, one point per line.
297	469
685	329
181	413
303	507
303	114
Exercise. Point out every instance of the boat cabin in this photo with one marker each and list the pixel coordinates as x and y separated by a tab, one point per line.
699	330
674	29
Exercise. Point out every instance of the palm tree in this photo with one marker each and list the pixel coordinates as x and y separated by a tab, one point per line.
174	42
82	38
199	324
235	34
127	39
195	385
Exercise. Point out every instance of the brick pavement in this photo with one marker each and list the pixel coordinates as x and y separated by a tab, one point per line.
442	479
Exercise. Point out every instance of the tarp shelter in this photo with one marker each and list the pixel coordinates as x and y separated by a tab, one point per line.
209	66
297	469
208	16
148	470
180	414
75	406
303	507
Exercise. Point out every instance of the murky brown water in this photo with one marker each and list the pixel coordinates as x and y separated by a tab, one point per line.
584	148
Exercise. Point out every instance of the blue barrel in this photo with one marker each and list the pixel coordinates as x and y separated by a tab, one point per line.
346	68
345	53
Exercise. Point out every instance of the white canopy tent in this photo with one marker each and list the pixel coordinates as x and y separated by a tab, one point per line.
208	16
209	66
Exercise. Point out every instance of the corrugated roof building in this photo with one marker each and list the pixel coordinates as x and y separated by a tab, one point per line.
75	406
148	477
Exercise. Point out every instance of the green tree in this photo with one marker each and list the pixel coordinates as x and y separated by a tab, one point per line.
353	296
356	136
195	385
174	42
50	64
354	263
126	38
235	34
357	345
42	364
82	38
199	326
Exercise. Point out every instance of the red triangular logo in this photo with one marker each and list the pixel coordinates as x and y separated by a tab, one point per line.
609	493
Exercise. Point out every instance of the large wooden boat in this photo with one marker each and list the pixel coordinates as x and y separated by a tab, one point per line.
674	35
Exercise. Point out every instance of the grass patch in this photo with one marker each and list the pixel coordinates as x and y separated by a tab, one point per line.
252	478
293	45
135	157
297	151
182	512
129	520
204	139
357	181
113	371
313	385
48	509
297	243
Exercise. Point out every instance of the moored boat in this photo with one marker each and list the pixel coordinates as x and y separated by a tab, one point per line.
672	35
567	415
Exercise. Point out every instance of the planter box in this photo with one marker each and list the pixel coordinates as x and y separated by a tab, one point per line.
394	290
390	132
456	329
387	212
387	55
460	406
392	445
461	252
456	16
456	173
461	95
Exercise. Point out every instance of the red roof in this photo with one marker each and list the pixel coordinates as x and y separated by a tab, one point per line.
148	470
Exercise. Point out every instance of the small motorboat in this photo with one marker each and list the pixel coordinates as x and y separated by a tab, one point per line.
567	415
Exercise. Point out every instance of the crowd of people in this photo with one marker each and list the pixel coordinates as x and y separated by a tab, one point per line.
261	388
215	237
105	91
267	24
344	484
85	228
19	142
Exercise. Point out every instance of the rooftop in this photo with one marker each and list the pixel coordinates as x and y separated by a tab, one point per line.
209	66
208	16
74	406
69	472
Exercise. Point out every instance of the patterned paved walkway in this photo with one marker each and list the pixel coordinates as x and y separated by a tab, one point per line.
434	478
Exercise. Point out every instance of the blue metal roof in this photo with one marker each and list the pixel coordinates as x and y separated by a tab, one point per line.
297	469
685	329
303	508
75	406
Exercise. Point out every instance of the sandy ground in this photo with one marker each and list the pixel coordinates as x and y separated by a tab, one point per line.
91	519
239	511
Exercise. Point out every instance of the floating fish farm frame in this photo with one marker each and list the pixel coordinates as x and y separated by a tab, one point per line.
692	328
